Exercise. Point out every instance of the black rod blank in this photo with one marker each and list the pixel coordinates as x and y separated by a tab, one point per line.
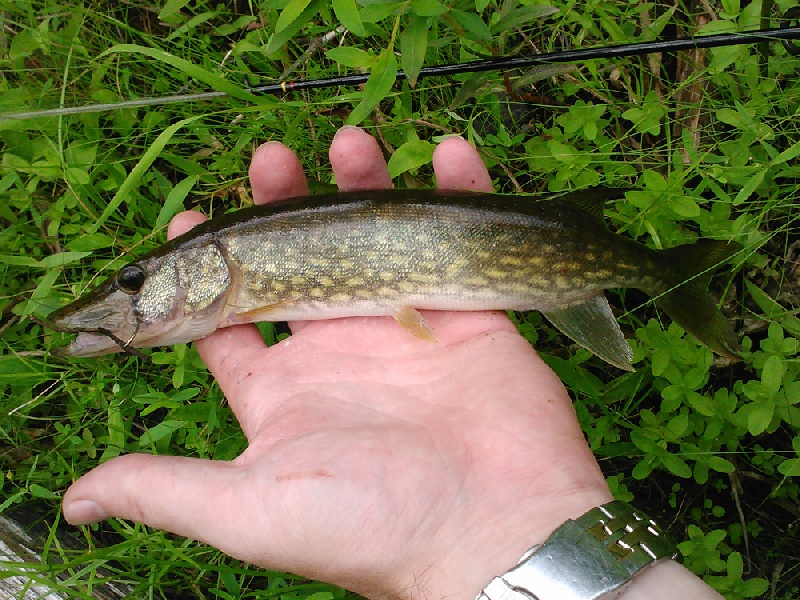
783	34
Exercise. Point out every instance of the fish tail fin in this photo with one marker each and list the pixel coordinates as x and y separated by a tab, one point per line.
687	301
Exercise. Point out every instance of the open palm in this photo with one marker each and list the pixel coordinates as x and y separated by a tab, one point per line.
376	461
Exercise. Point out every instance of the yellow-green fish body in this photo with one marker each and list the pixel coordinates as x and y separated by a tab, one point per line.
389	253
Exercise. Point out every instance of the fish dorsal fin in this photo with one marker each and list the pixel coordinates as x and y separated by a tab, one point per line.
594	327
594	200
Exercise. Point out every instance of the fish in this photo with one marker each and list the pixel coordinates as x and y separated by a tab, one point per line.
395	252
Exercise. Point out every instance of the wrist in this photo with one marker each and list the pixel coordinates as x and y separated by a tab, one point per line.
478	557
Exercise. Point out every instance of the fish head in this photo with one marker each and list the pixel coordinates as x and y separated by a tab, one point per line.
157	301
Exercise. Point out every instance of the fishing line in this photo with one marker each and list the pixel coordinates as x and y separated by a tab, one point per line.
785	35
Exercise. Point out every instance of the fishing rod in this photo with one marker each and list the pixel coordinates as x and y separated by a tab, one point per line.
785	35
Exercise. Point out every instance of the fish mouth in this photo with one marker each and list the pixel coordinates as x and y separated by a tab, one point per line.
88	345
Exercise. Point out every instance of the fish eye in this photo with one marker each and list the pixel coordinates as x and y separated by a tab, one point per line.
131	279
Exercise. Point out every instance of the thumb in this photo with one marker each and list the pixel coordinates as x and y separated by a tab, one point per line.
178	494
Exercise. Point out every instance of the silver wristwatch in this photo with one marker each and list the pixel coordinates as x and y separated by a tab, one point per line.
590	557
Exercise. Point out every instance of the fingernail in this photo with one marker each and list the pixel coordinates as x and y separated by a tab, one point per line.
347	128
84	512
263	147
448	136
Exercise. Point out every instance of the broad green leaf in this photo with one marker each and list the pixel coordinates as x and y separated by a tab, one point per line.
160	431
753	588
43	289
521	16
731	9
427	8
654	181
683	206
76	176
375	13
239	24
701	403
135	176
39	491
347	13
790	467
20	261
290	13
172	10
732	117
474	86
772	374
759	417
284	34
192	70
413	45
772	309
642	469
676	466
750	186
192	23
62	258
116	432
92	241
472	24
720	464
20	371
174	202
354	58
790	153
410	155
678	424
380	83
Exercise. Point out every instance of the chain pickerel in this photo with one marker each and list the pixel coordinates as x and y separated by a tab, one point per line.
391	253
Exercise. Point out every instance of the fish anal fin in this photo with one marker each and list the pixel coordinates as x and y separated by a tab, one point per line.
593	326
410	320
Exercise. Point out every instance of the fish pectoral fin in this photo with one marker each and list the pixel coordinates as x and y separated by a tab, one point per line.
410	320
256	315
593	326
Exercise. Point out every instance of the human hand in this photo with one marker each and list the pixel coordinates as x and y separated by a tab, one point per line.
391	466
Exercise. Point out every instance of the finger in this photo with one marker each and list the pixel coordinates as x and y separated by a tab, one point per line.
178	494
358	162
225	352
458	166
276	173
183	222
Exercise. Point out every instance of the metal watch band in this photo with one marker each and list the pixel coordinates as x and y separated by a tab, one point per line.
586	558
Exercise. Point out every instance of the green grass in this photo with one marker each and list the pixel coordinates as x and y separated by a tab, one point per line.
712	149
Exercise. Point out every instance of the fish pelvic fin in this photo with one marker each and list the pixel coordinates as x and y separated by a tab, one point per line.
593	326
687	301
413	322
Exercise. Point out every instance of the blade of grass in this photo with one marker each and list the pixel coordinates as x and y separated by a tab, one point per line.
134	177
194	71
